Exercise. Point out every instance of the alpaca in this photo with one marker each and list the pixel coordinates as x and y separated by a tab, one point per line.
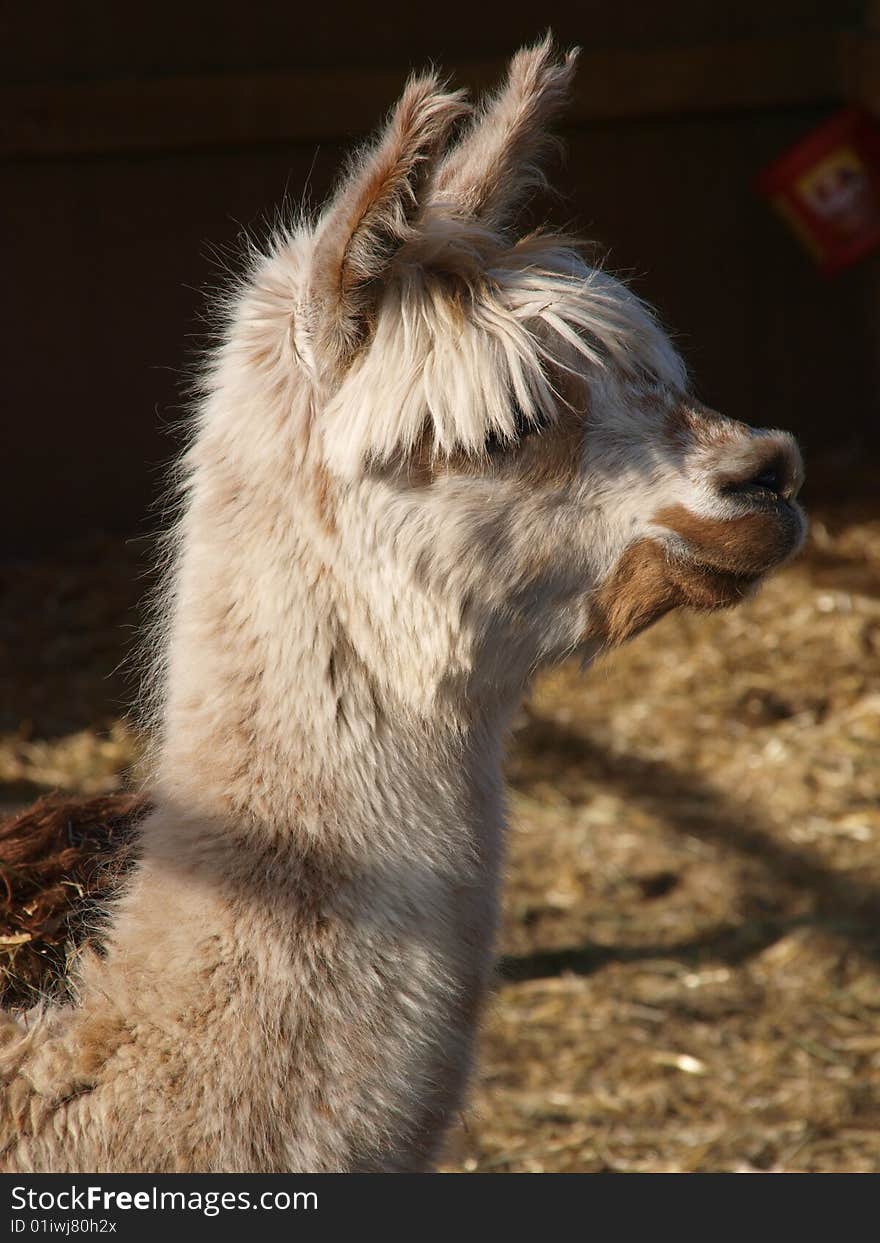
431	456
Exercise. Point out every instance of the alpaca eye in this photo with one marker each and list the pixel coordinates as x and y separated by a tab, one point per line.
523	426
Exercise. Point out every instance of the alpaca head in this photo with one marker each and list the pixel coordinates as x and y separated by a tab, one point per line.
496	438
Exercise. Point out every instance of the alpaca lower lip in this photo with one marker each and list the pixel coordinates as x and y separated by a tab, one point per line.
709	587
732	580
749	567
724	576
783	536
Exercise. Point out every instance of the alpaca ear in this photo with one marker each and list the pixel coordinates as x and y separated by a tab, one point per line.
495	163
371	214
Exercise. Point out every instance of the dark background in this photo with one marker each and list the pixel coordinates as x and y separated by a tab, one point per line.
136	144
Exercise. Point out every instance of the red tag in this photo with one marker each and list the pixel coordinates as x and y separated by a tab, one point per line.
827	187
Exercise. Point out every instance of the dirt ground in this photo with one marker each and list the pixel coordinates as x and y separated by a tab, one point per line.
690	977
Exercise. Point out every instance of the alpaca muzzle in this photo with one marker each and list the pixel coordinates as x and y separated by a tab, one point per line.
756	523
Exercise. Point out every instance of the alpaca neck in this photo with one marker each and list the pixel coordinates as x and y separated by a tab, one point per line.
281	713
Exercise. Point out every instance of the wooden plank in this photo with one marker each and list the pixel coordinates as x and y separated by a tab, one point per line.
724	77
186	113
62	40
861	65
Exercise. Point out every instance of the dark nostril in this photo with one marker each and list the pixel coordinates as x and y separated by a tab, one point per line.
774	478
770	479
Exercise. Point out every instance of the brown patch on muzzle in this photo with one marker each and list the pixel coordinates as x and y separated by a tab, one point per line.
638	592
649	582
748	544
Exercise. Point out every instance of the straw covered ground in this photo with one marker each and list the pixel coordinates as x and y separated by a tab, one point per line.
691	950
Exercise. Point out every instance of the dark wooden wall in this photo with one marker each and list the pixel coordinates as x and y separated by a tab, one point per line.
134	149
